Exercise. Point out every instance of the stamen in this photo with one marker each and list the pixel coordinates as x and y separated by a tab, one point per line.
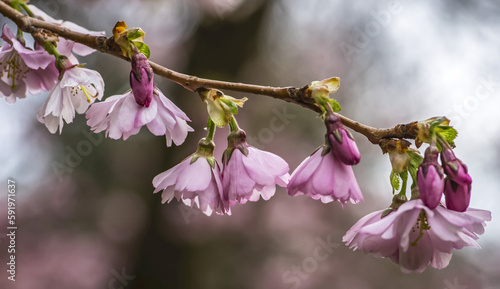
88	94
422	225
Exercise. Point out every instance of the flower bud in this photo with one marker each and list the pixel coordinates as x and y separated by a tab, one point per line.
62	64
430	178
457	196
235	140
454	168
141	80
343	145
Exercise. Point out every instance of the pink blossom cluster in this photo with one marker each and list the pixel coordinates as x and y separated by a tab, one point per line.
24	70
414	234
424	231
74	89
249	174
432	184
327	174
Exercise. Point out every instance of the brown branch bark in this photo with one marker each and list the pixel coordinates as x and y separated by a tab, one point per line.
42	31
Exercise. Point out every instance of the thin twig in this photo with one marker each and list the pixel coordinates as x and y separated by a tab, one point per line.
43	31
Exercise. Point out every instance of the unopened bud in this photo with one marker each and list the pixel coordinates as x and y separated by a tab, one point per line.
235	140
343	145
454	168
430	179
141	80
457	196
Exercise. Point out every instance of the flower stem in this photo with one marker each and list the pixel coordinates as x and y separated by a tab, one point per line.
443	142
20	36
51	49
404	178
15	4
211	130
233	125
27	9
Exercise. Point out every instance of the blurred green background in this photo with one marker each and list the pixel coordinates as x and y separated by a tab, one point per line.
98	225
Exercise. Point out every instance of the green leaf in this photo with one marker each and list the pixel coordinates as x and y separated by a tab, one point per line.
434	122
143	48
334	104
415	158
448	133
219	112
395	181
404	178
415	161
135	33
413	173
232	106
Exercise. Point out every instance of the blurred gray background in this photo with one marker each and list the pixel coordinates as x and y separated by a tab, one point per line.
98	225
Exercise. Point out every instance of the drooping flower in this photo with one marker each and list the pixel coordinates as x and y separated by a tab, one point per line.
327	174
457	196
124	115
430	178
76	89
415	236
23	70
322	176
454	168
68	47
249	173
120	115
196	180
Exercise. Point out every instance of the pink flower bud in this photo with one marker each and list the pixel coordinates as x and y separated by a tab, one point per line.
430	179
457	196
454	168
343	145
141	80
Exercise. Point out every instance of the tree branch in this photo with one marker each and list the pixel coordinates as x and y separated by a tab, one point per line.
43	31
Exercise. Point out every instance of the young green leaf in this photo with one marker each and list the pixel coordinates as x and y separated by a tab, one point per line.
143	48
448	133
415	161
335	105
232	106
395	181
135	33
